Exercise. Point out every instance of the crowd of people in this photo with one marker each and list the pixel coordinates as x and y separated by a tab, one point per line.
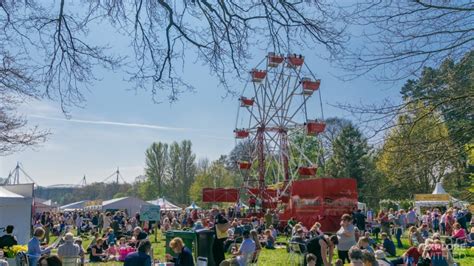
363	238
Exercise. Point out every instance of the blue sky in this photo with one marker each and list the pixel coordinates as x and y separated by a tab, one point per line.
117	123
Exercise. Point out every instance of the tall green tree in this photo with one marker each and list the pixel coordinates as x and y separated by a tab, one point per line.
174	180
187	169
449	92
350	155
156	163
417	153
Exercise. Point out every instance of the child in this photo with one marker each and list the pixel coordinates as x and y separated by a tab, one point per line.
310	260
82	252
111	237
270	241
112	252
274	232
364	244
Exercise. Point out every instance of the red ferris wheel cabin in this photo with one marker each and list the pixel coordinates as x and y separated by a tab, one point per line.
295	60
246	102
244	165
258	75
307	170
274	59
314	127
310	86
241	133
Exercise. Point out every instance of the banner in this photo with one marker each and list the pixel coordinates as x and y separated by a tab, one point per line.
150	213
432	197
93	203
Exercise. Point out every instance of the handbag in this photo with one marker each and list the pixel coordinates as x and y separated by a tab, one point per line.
221	230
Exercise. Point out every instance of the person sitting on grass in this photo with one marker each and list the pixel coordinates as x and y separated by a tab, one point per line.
411	256
364	244
97	253
380	258
310	260
459	234
110	237
82	252
372	242
388	245
269	240
414	237
424	231
8	240
244	254
141	257
69	248
470	238
112	252
184	256
356	256
316	230
369	258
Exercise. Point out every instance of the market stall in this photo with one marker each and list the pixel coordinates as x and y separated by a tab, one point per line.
130	204
15	209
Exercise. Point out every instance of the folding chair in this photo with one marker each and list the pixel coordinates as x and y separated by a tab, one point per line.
71	261
254	261
296	253
459	251
201	261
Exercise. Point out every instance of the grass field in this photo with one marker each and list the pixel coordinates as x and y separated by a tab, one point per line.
279	256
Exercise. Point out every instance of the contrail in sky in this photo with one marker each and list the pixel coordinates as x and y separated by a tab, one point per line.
135	125
112	123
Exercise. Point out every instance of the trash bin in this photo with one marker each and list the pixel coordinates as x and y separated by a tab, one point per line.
188	237
205	240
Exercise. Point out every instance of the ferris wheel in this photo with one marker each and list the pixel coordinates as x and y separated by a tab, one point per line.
279	114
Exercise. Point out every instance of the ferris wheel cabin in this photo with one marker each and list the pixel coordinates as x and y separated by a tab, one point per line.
244	165
314	127
241	133
295	60
310	86
307	171
274	60
258	75
246	102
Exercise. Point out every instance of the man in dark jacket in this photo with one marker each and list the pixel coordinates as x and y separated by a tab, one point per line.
359	219
141	257
8	239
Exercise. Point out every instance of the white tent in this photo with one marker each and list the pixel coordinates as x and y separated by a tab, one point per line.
15	209
79	205
439	189
440	198
130	204
165	205
193	206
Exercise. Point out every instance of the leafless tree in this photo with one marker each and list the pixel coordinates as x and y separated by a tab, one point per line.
400	37
51	41
53	37
15	86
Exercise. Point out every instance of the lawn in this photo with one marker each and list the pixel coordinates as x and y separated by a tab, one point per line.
279	256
